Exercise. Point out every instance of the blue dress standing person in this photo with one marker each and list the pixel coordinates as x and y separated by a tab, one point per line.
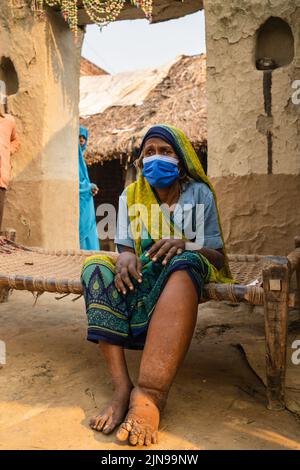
87	218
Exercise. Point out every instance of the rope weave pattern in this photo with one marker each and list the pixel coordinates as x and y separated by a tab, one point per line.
39	270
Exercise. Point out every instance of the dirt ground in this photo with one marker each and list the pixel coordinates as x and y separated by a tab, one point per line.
55	380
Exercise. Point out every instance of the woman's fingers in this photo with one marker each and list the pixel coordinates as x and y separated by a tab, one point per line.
172	252
129	268
154	248
125	278
161	247
162	251
122	280
133	271
119	284
139	267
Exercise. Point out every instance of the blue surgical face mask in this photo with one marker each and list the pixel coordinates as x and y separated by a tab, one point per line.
160	170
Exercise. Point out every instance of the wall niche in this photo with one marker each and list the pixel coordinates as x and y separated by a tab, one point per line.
274	44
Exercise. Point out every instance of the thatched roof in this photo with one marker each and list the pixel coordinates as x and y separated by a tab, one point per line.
87	68
179	99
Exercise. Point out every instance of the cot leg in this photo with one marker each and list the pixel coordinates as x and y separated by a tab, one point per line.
297	245
276	280
4	292
10	234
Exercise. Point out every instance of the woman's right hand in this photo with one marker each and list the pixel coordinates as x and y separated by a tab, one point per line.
94	189
128	266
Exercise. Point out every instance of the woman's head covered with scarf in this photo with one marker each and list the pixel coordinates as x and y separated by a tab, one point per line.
83	132
183	148
141	192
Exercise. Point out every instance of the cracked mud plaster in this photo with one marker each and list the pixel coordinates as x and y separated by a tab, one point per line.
234	20
46	111
237	122
264	218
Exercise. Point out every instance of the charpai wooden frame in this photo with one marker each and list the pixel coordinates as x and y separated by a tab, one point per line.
39	270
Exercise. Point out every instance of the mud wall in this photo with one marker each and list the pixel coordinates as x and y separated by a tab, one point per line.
253	146
42	201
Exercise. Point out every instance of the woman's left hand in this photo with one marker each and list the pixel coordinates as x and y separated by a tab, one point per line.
167	248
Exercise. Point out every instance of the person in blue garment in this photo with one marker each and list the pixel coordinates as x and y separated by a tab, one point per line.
87	218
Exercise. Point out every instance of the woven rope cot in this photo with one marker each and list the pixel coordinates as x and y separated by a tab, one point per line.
39	270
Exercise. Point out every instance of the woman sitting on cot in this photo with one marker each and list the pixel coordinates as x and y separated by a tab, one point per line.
170	243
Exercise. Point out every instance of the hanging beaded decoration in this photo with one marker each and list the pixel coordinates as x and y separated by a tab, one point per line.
100	12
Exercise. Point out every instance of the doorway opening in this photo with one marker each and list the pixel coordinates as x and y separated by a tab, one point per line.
109	176
9	76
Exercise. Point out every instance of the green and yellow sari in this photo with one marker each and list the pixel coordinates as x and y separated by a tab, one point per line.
124	319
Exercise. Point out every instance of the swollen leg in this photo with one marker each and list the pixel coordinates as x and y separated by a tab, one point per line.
113	414
169	336
168	339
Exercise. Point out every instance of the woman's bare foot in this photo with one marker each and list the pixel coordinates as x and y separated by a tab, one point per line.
113	414
141	423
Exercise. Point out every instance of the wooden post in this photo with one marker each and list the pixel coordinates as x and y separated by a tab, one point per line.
10	234
276	281
130	175
297	245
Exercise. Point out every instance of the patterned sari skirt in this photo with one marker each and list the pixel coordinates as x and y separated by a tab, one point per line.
123	319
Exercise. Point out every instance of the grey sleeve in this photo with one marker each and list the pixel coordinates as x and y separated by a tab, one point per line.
212	233
123	234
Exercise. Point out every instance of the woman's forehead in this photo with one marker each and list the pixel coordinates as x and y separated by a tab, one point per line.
157	141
